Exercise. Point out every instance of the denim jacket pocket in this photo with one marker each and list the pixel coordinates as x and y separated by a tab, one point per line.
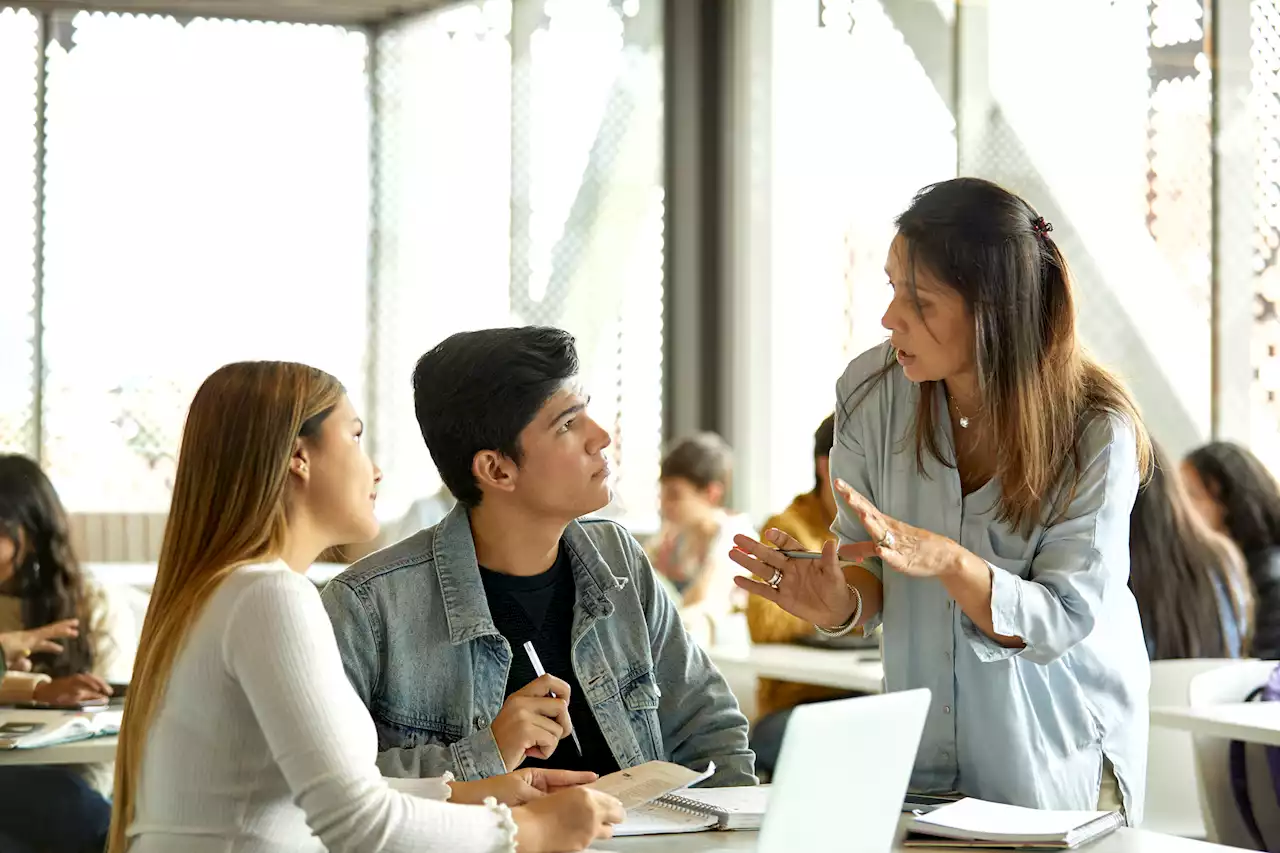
400	730
641	696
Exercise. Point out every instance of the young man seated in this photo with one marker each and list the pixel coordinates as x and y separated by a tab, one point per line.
432	629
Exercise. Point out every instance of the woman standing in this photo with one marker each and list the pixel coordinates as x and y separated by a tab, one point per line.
987	469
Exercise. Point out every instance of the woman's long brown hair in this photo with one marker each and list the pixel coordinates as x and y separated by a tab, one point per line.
1039	389
228	510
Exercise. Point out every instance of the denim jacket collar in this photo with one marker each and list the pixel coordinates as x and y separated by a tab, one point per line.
466	606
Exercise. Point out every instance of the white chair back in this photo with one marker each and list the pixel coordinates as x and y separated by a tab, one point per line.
1231	682
1173	794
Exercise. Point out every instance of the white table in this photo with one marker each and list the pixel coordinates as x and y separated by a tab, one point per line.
860	670
1256	722
95	751
1120	841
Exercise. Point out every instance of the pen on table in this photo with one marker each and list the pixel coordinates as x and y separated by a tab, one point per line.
539	671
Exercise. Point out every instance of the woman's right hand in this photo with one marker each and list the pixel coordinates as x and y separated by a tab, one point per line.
566	821
20	645
813	590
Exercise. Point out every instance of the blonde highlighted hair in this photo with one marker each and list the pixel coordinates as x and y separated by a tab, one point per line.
227	511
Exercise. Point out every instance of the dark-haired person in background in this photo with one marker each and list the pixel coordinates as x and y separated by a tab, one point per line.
1192	588
432	629
1239	498
985	469
41	584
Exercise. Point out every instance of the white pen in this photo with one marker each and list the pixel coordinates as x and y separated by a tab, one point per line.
539	671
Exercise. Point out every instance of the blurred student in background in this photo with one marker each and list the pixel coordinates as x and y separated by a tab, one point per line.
1190	581
42	583
691	550
1238	497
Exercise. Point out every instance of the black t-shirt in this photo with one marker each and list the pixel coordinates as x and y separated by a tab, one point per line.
540	609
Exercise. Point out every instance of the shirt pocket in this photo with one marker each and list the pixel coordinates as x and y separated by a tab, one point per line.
641	698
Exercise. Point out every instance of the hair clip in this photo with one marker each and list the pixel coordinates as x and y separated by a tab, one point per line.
1041	226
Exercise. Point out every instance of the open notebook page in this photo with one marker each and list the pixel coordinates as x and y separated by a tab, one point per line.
635	786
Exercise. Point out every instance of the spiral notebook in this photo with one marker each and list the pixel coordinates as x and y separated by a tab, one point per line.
698	810
978	823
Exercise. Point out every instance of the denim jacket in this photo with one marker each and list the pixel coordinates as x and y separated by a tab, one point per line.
420	648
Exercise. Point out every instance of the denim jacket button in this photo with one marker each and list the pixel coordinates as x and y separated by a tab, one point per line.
481	722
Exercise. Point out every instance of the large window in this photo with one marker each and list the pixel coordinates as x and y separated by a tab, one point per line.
206	202
1102	114
219	190
1261	156
1105	129
847	108
18	75
517	189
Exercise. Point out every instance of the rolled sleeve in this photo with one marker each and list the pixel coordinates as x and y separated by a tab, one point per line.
1082	556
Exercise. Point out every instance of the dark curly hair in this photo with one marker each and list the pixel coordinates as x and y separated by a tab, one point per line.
47	576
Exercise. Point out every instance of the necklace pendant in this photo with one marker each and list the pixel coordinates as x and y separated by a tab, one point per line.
964	422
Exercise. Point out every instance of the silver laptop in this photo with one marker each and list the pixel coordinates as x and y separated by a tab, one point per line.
842	774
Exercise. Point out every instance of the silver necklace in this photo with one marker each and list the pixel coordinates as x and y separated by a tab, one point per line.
964	422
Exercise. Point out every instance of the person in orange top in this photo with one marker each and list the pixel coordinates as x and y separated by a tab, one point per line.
808	519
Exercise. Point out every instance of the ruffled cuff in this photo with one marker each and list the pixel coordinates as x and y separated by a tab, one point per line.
506	825
432	788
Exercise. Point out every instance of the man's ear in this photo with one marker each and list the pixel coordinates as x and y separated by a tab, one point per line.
494	471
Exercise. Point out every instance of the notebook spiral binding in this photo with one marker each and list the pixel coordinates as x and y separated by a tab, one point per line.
683	804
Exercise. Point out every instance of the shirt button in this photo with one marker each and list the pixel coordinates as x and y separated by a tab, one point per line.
481	722
946	756
946	655
946	709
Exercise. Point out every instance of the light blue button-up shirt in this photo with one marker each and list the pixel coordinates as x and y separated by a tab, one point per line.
1026	726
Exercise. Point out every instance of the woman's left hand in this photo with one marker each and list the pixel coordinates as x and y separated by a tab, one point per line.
519	787
906	549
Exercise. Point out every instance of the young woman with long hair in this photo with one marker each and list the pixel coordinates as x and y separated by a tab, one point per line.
42	582
1240	499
